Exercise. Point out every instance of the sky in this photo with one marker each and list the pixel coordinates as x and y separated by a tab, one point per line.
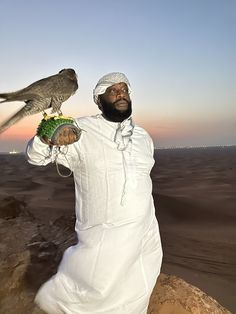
179	56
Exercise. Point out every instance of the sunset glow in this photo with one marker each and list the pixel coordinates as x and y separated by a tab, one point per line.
178	57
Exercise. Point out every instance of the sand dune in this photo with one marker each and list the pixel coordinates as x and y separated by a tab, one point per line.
194	193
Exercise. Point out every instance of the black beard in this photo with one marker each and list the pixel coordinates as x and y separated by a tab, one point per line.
111	113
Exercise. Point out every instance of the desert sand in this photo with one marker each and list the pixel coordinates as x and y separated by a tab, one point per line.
194	193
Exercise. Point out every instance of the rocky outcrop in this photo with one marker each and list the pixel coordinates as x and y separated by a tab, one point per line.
172	295
30	253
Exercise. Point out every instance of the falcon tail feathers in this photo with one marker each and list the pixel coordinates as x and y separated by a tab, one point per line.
7	97
23	112
8	123
3	96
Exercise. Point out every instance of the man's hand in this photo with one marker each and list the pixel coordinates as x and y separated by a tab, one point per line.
64	135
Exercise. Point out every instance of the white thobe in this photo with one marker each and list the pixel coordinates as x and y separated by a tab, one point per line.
117	260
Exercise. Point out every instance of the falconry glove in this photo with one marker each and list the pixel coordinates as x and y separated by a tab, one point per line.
58	130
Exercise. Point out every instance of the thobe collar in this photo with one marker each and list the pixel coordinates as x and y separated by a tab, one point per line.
123	133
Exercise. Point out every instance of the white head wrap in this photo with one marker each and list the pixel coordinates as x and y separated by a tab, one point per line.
107	81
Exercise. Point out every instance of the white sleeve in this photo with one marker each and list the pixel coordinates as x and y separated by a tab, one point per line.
150	144
41	154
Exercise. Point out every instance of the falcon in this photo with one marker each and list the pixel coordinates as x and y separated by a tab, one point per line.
49	92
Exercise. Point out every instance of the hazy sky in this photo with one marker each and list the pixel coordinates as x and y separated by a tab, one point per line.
179	55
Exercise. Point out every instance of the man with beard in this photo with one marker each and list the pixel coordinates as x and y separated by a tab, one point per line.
115	264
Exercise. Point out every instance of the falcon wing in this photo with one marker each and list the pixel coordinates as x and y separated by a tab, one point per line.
51	86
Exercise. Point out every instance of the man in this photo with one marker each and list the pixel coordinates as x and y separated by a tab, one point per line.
117	260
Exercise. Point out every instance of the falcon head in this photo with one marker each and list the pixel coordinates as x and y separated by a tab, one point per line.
70	73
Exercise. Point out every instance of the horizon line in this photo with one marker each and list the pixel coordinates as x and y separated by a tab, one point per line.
155	148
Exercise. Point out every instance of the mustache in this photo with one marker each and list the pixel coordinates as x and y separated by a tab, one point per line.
119	100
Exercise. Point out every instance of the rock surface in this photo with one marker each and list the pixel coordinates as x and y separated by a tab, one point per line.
172	295
30	253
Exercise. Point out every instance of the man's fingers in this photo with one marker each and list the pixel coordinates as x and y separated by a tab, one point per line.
65	135
67	132
71	137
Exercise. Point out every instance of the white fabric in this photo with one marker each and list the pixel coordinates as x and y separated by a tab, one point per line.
123	134
114	266
107	81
